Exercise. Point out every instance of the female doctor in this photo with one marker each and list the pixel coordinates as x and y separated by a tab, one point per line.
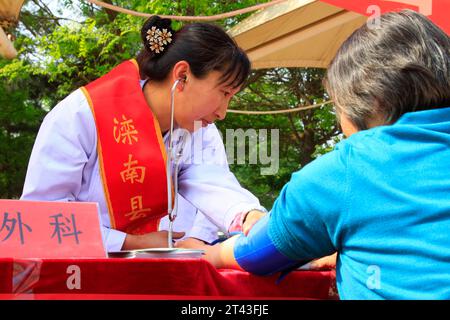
140	141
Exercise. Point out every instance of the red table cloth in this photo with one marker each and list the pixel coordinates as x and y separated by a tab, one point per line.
175	278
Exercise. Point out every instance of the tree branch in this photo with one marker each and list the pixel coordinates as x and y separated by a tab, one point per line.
294	129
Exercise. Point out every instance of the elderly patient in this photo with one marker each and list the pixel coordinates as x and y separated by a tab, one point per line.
381	198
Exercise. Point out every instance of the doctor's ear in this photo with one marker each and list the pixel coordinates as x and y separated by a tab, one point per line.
182	82
180	72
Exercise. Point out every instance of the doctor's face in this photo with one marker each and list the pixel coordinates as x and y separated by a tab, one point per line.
204	100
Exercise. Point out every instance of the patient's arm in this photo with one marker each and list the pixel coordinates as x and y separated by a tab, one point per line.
220	255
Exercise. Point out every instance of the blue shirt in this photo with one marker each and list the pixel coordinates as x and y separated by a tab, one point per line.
382	200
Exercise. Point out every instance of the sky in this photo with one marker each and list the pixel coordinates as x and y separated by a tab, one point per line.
54	5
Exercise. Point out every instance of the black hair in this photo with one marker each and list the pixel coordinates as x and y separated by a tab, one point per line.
206	47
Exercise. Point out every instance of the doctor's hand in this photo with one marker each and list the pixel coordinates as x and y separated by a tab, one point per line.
250	219
156	239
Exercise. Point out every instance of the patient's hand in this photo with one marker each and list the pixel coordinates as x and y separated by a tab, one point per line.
211	253
191	243
220	255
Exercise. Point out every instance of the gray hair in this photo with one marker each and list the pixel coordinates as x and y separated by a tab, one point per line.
382	73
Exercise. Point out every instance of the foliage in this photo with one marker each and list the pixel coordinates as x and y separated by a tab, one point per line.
302	135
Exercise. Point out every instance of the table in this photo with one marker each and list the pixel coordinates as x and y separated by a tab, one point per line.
119	278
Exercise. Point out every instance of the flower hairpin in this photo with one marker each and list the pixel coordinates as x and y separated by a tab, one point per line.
158	39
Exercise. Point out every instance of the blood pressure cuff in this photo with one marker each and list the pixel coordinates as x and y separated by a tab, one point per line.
257	254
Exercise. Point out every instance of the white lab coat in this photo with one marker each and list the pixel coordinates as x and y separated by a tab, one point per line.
64	166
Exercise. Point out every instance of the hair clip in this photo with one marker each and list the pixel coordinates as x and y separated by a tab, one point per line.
158	39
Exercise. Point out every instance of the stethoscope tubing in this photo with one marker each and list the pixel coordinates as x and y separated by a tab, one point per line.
172	211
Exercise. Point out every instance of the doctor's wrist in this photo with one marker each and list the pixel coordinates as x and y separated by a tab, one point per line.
131	242
250	219
244	221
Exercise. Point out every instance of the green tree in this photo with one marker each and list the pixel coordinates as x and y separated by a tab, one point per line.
302	135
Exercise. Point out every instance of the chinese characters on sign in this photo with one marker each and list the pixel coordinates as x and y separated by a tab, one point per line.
64	227
13	225
47	229
9	226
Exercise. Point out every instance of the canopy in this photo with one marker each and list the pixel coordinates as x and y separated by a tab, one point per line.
436	10
307	33
9	15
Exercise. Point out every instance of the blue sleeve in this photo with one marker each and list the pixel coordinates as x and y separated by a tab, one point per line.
306	218
257	254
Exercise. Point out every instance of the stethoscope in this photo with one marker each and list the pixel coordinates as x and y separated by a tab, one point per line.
172	211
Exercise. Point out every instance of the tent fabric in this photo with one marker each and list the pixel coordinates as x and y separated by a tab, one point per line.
9	14
307	33
435	10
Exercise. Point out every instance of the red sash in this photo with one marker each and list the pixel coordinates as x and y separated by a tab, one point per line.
130	149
